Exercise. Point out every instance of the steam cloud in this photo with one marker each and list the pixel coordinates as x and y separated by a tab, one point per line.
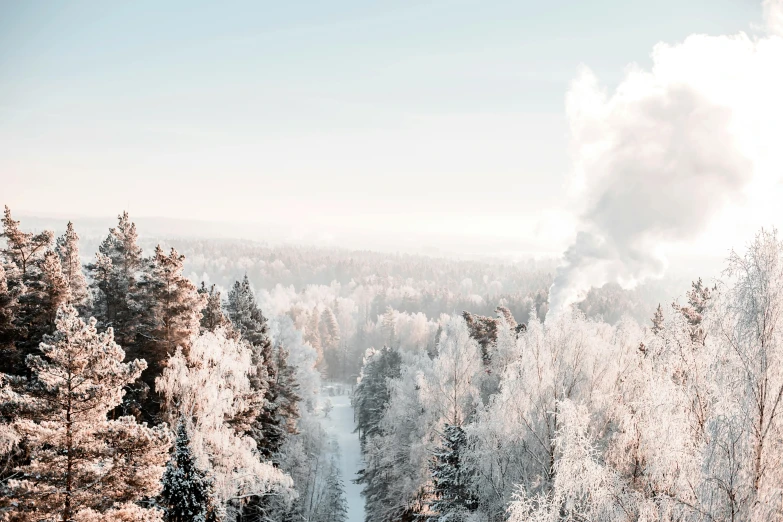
659	158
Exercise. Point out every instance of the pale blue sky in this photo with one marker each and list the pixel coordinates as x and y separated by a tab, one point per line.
443	118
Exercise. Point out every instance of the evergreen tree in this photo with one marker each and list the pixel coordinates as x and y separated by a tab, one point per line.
699	297
312	336
80	461
452	496
68	250
24	249
175	303
657	320
252	326
171	320
118	300
34	277
187	490
333	506
287	392
372	395
330	329
212	316
8	308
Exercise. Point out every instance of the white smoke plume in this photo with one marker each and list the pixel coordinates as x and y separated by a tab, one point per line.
657	160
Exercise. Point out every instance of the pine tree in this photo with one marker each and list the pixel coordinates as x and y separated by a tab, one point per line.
212	316
333	506
24	249
699	297
68	250
171	320
287	392
187	490
8	306
176	305
452	496
330	329
252	325
312	336
115	274
657	320
80	461
372	394
34	276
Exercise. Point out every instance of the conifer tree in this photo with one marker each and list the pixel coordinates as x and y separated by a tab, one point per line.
115	274
34	276
68	250
176	305
372	395
252	325
333	506
312	336
330	329
212	316
657	320
187	490
287	392
81	463
8	308
452	496
24	249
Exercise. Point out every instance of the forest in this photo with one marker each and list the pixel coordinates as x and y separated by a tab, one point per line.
171	379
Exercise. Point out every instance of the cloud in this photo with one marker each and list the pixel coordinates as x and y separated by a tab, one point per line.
773	16
657	160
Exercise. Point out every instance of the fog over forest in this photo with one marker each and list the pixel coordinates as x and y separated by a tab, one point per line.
259	274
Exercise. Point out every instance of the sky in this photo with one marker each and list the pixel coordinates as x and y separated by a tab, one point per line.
440	122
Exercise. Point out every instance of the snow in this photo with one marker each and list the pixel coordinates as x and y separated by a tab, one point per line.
340	425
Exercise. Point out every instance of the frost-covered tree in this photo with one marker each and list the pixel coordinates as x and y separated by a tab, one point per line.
657	320
452	498
454	386
29	270
116	272
187	490
396	473
23	249
249	321
372	394
68	250
175	304
209	386
81	464
212	316
8	309
332	506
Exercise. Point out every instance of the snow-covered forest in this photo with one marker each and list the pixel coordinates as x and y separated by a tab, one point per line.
215	381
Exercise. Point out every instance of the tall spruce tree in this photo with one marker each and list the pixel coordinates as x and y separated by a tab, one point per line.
68	250
333	506
118	300
80	462
657	320
187	494
252	326
372	394
453	500
212	316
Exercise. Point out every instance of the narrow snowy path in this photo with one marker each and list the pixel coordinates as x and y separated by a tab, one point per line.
340	425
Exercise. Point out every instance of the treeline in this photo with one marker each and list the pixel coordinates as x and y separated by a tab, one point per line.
574	419
129	393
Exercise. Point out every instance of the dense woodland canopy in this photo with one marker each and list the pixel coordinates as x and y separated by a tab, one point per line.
145	382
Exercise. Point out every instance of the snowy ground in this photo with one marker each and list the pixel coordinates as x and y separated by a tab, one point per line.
340	425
